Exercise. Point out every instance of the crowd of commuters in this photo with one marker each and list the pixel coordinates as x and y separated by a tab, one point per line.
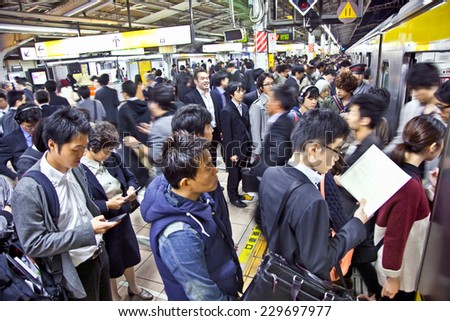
304	122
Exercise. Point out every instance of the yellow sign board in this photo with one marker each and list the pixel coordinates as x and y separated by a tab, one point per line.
115	41
347	12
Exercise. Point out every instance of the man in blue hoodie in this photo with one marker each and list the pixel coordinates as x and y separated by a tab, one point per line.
192	248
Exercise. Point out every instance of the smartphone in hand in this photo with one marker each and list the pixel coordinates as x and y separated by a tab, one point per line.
135	192
117	218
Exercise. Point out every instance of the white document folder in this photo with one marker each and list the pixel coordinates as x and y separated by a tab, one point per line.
375	177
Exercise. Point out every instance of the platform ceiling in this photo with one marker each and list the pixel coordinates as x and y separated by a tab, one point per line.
210	17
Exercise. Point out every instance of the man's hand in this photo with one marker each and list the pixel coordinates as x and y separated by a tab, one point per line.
359	213
100	225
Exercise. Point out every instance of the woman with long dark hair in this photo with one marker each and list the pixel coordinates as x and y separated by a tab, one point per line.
402	222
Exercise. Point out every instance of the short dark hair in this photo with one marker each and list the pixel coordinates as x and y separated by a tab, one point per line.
191	118
50	85
423	75
42	96
282	68
297	68
345	63
261	78
21	81
103	79
64	124
218	77
371	106
443	93
383	93
14	96
163	95
197	71
103	135
321	125
3	94
28	113
285	95
129	88
84	92
234	86
37	138
181	155
329	72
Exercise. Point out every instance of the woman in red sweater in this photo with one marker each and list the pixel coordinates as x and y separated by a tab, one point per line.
403	220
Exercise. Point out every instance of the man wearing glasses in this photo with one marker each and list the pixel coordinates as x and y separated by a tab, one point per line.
258	112
443	100
304	232
15	143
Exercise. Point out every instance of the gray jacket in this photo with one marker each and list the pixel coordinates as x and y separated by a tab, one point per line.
38	235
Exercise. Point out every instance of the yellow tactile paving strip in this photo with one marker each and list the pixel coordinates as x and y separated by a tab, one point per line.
253	259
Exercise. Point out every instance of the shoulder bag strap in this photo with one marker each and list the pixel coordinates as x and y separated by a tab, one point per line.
279	217
338	103
95	111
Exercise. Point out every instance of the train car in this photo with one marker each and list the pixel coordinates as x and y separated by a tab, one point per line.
419	32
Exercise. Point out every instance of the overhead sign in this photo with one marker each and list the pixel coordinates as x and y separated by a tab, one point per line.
116	41
223	47
285	34
167	49
28	53
272	44
347	12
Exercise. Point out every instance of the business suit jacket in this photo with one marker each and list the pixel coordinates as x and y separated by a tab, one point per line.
40	237
56	100
236	137
249	98
9	124
194	97
277	144
292	82
110	100
12	147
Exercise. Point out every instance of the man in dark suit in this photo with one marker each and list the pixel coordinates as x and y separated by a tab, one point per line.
202	96
15	143
42	98
237	140
277	144
250	97
15	99
55	100
297	75
109	99
220	84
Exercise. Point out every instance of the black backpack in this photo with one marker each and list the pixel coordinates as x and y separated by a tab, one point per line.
16	281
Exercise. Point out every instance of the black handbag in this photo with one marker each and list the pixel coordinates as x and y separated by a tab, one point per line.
277	280
250	181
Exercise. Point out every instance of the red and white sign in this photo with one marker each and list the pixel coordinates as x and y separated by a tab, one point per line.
261	41
311	47
272	43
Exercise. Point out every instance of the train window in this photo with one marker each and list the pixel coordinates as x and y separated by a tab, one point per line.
369	59
385	74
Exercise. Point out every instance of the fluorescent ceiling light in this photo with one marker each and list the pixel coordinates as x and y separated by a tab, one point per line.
42	29
204	39
83	7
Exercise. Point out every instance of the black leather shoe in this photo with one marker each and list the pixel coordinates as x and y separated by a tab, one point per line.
143	295
238	203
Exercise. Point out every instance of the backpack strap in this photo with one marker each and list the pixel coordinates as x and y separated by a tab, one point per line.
50	193
339	104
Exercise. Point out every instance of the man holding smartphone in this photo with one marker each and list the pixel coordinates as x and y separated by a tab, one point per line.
76	235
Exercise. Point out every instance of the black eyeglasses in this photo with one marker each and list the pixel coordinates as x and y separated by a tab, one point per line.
269	84
440	106
337	152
